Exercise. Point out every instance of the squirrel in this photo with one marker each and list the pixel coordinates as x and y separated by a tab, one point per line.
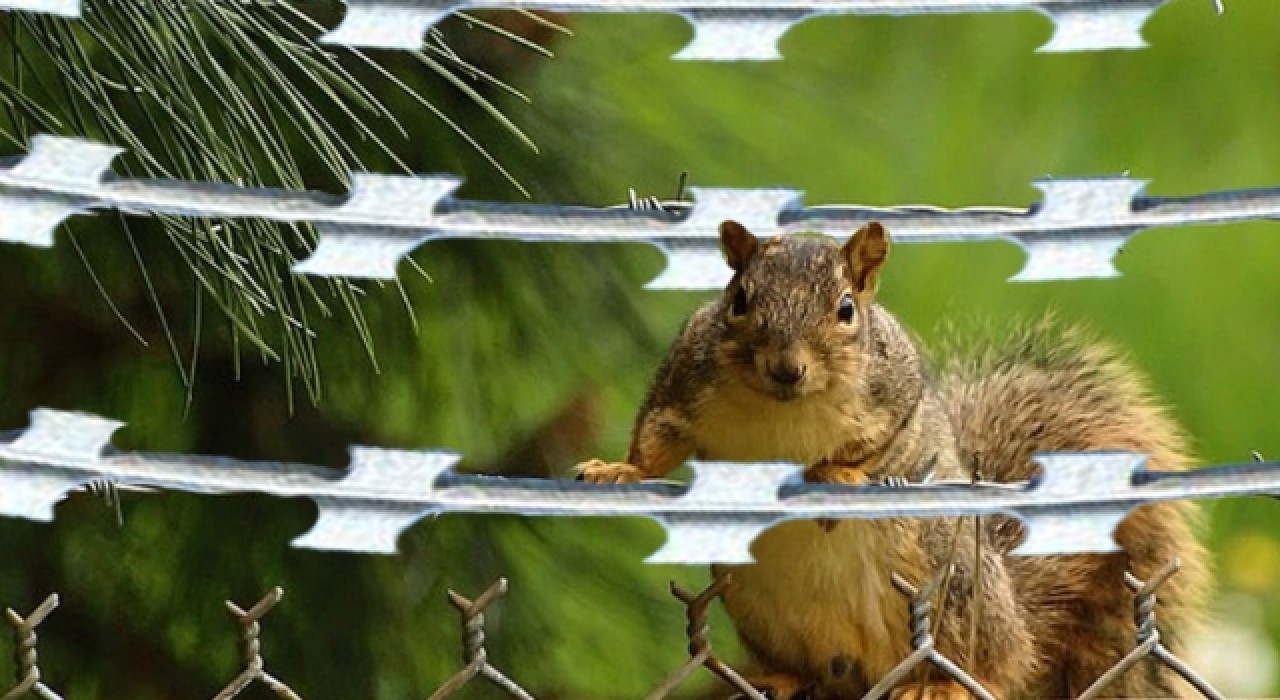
796	362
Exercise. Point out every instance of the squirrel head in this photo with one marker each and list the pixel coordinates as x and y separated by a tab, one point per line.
797	314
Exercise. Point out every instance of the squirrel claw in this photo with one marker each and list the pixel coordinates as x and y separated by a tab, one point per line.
598	471
826	472
780	687
835	473
936	690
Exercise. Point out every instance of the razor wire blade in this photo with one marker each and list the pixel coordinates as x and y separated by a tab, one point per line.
1072	507
724	30
749	30
1074	232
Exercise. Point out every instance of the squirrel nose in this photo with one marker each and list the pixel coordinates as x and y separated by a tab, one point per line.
787	373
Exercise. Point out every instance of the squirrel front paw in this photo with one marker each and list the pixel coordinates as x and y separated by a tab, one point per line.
934	690
598	471
782	687
825	472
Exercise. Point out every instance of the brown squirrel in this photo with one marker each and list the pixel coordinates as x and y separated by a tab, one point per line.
796	363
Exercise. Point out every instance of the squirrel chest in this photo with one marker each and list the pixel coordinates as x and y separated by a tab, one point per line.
813	594
736	424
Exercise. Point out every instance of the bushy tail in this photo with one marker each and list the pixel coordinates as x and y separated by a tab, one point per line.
1046	387
1053	388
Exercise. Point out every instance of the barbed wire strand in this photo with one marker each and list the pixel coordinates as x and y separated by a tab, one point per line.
700	654
1148	638
251	650
25	653
474	655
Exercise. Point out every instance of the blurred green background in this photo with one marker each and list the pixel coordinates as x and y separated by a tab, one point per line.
530	358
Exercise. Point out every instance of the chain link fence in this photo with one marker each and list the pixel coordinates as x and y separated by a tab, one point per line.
477	665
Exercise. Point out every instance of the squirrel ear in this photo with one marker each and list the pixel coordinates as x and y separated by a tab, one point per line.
738	244
865	253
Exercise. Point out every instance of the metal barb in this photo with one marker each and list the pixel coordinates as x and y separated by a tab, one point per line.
1147	638
920	604
700	653
110	495
1073	232
251	649
26	654
474	654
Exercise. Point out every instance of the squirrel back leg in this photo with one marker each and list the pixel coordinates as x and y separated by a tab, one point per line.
775	684
1057	390
980	624
1106	629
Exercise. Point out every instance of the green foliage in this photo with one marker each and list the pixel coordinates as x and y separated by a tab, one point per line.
947	110
232	92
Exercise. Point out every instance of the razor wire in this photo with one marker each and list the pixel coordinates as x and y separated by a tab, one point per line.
1073	506
724	30
1146	643
749	30
1073	232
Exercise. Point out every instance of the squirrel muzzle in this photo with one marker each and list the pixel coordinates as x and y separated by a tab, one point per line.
787	372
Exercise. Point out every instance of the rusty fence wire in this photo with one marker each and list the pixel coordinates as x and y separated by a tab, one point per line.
476	662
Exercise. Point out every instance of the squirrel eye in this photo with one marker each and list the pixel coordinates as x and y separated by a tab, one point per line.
845	311
739	306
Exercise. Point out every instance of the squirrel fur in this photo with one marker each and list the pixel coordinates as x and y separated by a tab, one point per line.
796	362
